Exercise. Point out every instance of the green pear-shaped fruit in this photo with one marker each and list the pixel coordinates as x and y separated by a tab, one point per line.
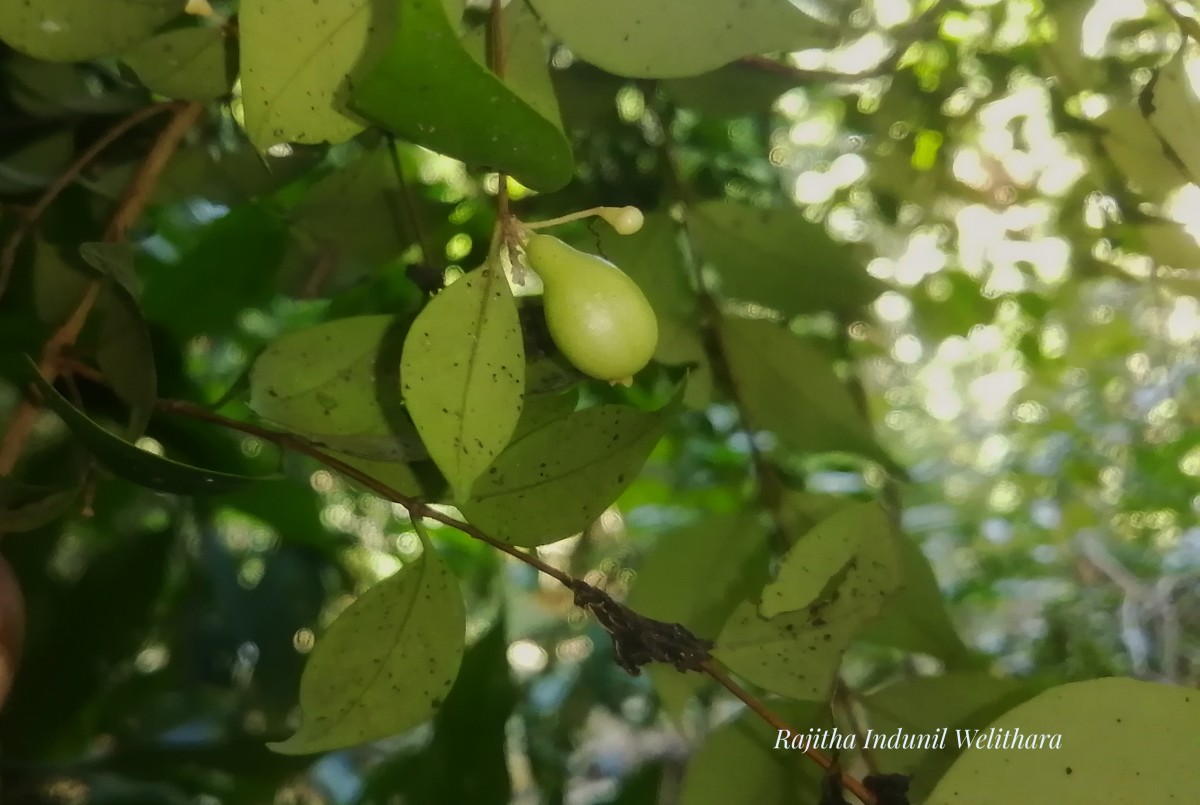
597	315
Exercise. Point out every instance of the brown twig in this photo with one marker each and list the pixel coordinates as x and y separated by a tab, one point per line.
497	60
766	714
129	209
416	508
408	210
8	256
769	486
843	698
137	193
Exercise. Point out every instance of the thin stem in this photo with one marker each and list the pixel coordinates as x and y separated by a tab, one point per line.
137	193
566	219
8	256
129	209
498	60
849	707
769	486
416	508
766	714
409	207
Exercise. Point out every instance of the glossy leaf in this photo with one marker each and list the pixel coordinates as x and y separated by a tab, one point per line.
191	64
462	377
789	388
295	87
797	654
387	662
537	492
428	89
673	38
1129	739
67	30
131	462
325	383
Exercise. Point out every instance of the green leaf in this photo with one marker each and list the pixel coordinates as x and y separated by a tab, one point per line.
462	375
735	90
67	30
131	462
696	576
671	38
541	409
811	563
471	724
797	654
295	86
329	384
526	64
386	663
916	619
914	707
558	479
789	388
121	343
430	90
777	258
739	762
222	170
65	92
36	164
1150	171
1173	111
549	374
232	266
191	64
1122	740
357	217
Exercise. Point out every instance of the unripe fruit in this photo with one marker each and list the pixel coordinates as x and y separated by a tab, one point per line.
625	220
597	315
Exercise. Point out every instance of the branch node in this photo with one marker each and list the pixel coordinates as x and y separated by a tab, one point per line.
638	640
